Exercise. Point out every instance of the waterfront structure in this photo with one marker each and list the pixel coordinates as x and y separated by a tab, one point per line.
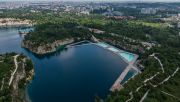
129	58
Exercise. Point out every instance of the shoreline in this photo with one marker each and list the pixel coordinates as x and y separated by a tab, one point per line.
47	48
16	26
18	77
13	22
131	65
26	93
116	85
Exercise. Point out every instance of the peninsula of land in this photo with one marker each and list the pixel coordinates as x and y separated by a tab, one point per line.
16	71
154	37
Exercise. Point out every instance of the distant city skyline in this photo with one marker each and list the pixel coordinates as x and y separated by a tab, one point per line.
103	0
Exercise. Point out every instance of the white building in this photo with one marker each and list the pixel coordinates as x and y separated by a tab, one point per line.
85	12
148	11
178	25
178	14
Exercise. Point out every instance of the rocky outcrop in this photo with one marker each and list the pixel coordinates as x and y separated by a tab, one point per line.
22	77
132	47
46	48
12	22
18	71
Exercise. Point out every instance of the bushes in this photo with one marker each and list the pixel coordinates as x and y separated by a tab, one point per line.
49	32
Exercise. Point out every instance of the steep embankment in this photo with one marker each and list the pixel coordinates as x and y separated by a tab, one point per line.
49	36
46	48
13	22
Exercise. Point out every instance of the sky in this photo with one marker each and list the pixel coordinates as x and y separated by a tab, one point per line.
103	0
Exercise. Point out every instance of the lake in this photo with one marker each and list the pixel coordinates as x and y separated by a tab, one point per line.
76	74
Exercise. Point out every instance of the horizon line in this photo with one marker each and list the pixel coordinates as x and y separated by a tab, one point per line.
126	1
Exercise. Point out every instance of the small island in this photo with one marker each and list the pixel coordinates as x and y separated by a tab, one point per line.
16	71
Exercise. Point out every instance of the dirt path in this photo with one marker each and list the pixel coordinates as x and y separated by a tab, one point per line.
140	87
166	79
94	39
2	84
117	85
151	78
171	95
131	94
144	97
153	55
16	67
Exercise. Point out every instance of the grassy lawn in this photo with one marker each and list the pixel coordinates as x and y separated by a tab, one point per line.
151	24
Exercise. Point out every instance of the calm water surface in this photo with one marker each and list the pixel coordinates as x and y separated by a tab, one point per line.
76	74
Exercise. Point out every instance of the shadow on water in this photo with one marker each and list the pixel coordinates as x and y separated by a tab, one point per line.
58	51
89	70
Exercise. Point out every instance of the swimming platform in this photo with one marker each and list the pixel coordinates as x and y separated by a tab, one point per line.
129	72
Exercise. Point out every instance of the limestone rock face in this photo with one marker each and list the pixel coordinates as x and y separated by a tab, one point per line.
47	48
12	22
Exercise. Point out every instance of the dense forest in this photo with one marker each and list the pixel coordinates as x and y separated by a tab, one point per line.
49	32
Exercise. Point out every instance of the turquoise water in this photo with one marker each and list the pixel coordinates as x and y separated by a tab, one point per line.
102	44
129	75
113	49
128	56
76	74
26	30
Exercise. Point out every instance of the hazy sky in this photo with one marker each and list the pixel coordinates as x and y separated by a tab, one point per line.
102	0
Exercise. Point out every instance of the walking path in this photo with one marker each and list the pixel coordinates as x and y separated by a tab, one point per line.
153	55
171	95
166	79
16	67
131	94
117	85
2	84
140	87
152	77
145	95
76	43
175	72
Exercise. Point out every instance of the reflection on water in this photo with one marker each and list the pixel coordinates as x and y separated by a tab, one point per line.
75	74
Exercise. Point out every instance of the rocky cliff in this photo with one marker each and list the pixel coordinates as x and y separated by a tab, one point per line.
45	48
23	76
